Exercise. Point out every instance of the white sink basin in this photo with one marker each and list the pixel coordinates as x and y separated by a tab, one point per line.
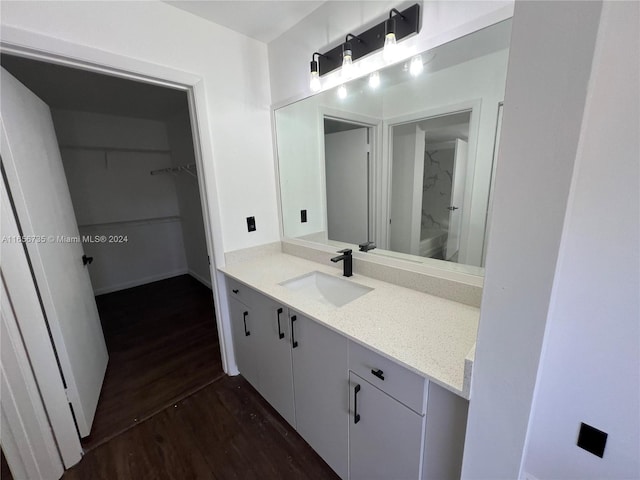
326	289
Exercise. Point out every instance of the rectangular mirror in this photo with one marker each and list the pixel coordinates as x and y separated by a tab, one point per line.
403	158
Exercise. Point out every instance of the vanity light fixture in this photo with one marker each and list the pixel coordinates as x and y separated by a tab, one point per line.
416	66
390	42
374	80
314	81
401	24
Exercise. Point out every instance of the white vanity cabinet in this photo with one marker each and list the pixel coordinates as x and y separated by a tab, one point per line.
367	416
321	389
261	337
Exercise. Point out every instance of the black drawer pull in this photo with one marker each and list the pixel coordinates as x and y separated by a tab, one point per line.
235	290
280	334
244	319
356	415
378	373
294	344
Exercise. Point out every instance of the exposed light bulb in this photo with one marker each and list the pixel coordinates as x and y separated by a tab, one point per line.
347	64
374	80
416	66
390	51
342	92
314	83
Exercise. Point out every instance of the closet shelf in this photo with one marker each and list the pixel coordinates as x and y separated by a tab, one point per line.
115	149
140	221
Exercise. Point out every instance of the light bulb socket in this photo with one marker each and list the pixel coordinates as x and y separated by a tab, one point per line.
390	26
346	49
314	66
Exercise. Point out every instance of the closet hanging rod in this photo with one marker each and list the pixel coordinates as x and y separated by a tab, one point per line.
114	149
189	168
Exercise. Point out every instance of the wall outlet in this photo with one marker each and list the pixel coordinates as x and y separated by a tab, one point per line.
592	439
251	224
303	216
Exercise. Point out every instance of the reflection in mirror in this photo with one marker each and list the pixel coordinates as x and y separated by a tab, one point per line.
348	177
428	212
405	162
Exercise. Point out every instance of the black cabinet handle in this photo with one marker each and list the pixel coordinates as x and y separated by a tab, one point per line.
356	415
294	344
378	373
86	260
244	319
235	290
280	334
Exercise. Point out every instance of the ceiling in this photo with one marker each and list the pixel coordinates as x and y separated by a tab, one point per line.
262	20
68	88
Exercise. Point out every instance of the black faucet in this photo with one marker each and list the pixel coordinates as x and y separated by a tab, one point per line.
348	261
366	246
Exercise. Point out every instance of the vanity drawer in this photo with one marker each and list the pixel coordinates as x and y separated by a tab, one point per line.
241	292
403	385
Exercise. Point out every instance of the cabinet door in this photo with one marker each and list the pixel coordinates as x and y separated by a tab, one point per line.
385	437
244	340
276	376
321	388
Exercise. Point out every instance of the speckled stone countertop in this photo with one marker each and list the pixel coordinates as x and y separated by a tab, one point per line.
429	335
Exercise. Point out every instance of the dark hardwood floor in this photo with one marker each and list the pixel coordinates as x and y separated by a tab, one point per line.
224	431
163	346
5	473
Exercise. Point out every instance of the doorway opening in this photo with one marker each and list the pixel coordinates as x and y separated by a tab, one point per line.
348	180
428	174
128	155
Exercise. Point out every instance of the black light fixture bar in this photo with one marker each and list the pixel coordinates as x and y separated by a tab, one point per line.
407	23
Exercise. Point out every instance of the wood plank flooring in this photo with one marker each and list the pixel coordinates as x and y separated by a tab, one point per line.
163	346
224	431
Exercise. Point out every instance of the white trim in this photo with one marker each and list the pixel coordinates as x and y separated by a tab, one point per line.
37	46
140	281
200	278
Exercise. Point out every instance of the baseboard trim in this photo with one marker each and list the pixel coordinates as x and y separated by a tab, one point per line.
140	281
201	279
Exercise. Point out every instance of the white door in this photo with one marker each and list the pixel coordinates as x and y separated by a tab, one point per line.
37	182
407	170
457	199
347	173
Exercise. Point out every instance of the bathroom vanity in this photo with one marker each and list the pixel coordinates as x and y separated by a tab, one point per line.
378	386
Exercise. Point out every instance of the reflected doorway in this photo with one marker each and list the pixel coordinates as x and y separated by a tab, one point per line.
347	151
428	172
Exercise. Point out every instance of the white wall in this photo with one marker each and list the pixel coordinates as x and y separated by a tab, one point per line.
552	46
590	366
114	194
195	245
442	21
235	85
